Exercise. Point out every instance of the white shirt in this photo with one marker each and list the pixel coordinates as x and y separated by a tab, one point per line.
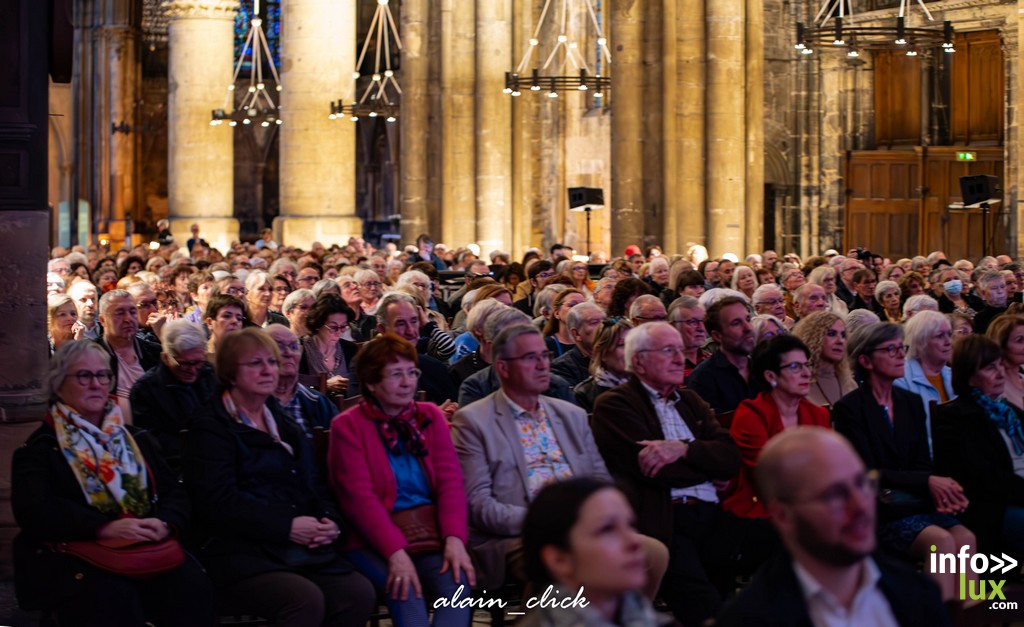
675	428
869	605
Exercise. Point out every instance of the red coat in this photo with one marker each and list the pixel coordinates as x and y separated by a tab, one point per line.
754	423
365	486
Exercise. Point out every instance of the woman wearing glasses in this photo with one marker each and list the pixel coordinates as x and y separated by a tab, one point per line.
324	350
782	366
396	476
607	363
84	476
577	272
886	425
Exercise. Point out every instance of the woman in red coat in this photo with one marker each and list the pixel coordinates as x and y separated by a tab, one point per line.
780	364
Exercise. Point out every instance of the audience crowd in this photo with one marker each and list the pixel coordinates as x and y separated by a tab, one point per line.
305	435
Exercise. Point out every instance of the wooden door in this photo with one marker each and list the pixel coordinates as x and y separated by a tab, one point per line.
957	233
883	204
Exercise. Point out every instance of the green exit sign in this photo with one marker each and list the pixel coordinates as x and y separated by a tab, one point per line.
966	156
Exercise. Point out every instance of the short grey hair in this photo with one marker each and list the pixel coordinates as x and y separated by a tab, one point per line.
716	294
762	292
859	318
817	275
277	266
65	356
409	276
111	295
760	321
575	318
508	335
391	298
639	339
256	280
546	298
921	328
866	338
182	335
477	316
683	302
885	286
296	297
366	275
919	303
51	264
988	277
326	285
640	301
501	320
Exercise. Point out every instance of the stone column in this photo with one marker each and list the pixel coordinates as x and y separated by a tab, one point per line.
318	156
200	175
754	53
726	136
692	48
670	126
121	63
413	123
627	126
494	125
458	52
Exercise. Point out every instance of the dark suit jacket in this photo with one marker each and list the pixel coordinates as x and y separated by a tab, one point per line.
625	415
970	449
525	305
148	353
573	366
774	598
484	382
719	383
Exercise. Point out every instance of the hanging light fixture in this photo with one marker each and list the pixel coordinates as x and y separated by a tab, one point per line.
573	72
380	96
256	105
836	28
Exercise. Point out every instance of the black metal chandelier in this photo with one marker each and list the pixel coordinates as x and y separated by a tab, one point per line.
380	91
837	29
256	106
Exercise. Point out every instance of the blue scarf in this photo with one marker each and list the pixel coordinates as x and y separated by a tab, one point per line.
1004	416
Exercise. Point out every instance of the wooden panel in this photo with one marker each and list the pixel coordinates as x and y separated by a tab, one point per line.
883	208
977	89
897	99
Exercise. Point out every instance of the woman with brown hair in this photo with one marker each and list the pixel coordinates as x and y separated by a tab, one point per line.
556	331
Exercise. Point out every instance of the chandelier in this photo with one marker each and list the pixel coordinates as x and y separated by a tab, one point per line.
380	96
256	105
836	28
572	30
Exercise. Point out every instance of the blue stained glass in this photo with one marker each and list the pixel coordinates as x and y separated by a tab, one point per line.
270	11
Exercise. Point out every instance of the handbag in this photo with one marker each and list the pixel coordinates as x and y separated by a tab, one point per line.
419	526
896	504
135	559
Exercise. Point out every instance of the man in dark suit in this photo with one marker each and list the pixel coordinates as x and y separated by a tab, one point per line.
821	500
583	321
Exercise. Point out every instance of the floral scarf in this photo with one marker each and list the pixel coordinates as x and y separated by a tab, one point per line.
405	428
1004	416
105	460
268	419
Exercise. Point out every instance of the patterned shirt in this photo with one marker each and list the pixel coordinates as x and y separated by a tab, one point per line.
545	461
293	408
675	428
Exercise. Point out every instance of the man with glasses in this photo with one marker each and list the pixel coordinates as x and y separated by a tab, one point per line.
724	380
647	308
308	407
308	276
687	316
864	282
539	273
151	321
821	500
768	299
667	451
166	397
583	321
844	287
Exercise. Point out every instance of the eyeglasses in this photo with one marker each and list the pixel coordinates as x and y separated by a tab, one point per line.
395	375
795	366
282	289
292	347
650	318
547	274
836	496
188	365
236	291
579	268
103	377
893	350
146	303
690	322
371	284
335	328
308	279
531	358
666	351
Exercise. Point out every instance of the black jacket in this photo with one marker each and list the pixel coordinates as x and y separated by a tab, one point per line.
148	353
465	367
572	366
246	489
720	384
775	599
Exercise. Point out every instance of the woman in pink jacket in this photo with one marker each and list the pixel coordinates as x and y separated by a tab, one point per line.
397	479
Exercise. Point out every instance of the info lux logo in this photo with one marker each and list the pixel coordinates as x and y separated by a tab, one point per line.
980	564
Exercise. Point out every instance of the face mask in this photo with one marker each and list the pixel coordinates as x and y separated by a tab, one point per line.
954	287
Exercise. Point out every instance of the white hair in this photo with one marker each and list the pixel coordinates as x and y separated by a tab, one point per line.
917	304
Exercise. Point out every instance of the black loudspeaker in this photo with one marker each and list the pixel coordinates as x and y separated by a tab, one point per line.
586	197
980	188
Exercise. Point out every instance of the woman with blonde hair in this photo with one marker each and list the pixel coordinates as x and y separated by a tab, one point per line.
744	279
1008	332
824	333
825	276
607	363
62	320
259	293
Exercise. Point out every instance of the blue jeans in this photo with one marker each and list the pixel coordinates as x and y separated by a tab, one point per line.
414	612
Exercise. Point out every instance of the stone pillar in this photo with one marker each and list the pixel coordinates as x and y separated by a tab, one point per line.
200	175
726	136
754	204
627	126
525	111
318	156
671	239
494	125
413	123
458	52
691	46
121	63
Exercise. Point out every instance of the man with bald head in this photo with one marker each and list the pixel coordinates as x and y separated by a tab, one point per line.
821	500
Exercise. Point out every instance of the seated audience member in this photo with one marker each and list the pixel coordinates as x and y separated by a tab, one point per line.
821	500
392	463
306	406
911	284
687	316
539	273
690	283
583	321
724	380
825	276
647	308
295	308
809	298
62	320
130	357
824	334
886	425
765	327
151	321
864	282
953	295
782	366
259	289
436	307
887	294
992	289
86	301
917	304
607	363
744	279
768	299
513	443
323	350
556	330
166	397
1008	332
980	444
859	318
626	291
434	339
281	288
579	535
665	448
224	313
929	349
961	324
59	494
397	314
267	525
364	325
472	361
200	288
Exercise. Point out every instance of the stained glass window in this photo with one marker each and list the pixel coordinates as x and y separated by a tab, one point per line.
270	11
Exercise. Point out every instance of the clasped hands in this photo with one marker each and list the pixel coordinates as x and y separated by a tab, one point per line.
311	533
948	495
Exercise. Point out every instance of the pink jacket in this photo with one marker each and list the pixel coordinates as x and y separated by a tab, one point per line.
365	486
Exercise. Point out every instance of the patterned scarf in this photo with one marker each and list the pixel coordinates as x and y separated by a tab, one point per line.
105	459
1004	416
405	428
606	379
268	420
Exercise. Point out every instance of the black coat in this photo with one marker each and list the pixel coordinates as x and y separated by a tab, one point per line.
247	489
147	352
970	449
720	384
775	599
572	366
